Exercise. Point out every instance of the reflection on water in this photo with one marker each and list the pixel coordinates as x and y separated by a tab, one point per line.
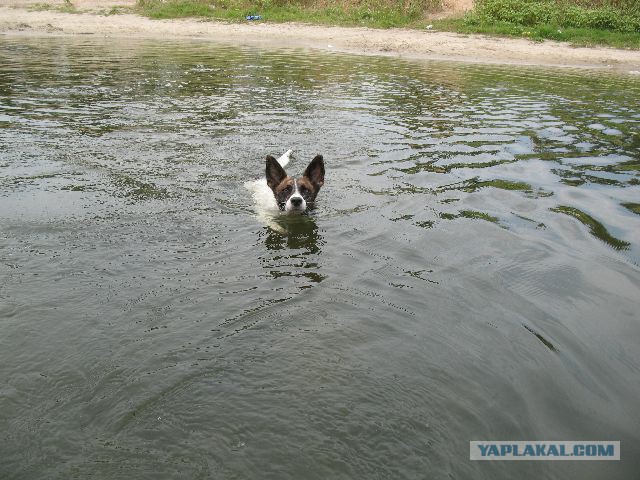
298	232
595	227
297	247
470	271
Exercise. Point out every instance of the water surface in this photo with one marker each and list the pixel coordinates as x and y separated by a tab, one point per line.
470	271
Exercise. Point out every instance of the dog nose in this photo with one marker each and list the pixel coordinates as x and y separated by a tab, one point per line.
296	201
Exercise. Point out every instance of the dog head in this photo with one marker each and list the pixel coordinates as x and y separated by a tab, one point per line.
295	194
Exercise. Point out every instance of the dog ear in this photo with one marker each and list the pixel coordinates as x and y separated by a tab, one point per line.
274	172
315	171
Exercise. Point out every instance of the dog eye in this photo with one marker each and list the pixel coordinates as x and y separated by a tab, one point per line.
303	190
287	189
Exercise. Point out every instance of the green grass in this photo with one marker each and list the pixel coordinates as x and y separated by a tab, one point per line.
558	13
376	14
68	7
582	22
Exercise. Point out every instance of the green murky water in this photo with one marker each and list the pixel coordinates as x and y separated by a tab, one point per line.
470	272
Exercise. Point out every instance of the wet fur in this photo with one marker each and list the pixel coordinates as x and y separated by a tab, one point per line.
265	197
295	195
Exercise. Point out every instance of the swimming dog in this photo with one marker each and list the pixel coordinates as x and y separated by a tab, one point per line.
272	194
294	195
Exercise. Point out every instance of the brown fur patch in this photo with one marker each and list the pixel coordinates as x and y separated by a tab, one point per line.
307	189
283	190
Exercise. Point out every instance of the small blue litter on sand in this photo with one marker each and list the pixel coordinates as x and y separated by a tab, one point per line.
254	17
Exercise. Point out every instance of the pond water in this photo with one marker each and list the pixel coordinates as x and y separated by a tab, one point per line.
470	271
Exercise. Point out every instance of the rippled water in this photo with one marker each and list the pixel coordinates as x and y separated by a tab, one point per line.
470	272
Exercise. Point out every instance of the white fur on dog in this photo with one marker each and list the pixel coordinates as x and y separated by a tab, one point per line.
289	207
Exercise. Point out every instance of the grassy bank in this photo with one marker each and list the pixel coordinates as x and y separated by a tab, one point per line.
581	22
376	14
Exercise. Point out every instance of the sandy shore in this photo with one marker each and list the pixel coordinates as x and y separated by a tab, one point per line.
18	18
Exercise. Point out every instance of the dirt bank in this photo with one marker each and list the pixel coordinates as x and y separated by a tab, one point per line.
19	18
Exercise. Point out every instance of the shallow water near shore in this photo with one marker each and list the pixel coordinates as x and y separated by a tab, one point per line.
470	271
